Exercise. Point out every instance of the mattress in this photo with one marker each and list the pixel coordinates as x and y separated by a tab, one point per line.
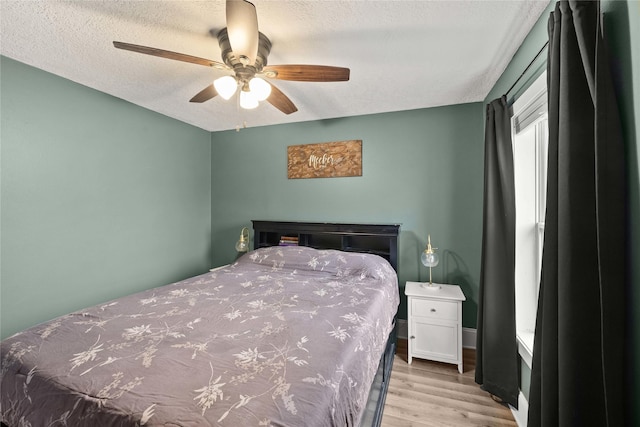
285	336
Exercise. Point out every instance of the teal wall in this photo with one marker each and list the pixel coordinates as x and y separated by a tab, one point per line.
99	198
422	169
622	25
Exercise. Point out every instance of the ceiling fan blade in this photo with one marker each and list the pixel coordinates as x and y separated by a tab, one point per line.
169	55
307	73
205	94
281	101
242	28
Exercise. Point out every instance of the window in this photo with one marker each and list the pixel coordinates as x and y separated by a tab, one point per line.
530	141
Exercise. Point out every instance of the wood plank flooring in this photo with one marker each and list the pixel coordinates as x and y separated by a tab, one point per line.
433	394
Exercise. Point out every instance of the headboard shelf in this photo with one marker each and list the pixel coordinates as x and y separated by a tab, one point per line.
379	239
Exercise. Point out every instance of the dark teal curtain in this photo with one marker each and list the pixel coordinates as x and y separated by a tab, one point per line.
578	361
496	348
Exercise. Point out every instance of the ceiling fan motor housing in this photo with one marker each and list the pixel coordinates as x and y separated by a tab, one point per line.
243	71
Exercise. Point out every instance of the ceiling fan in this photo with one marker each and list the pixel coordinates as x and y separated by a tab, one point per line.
244	52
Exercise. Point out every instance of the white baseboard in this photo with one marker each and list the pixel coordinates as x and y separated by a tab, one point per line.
468	334
521	413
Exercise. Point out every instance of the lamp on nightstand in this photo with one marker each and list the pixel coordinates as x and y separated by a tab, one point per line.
242	245
430	259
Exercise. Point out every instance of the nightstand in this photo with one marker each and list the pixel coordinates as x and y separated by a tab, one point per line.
435	322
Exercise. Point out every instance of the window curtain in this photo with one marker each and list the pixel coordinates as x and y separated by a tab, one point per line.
578	361
496	347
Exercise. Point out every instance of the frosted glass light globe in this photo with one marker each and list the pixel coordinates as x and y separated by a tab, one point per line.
225	86
248	100
260	88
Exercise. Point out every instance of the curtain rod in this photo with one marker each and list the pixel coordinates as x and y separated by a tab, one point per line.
527	69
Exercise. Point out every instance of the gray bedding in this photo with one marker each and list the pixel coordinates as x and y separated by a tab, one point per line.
286	336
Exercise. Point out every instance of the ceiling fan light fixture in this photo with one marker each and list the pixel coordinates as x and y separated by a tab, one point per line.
260	88
244	50
248	100
226	86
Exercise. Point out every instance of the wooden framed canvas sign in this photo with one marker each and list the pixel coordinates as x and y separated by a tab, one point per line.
325	160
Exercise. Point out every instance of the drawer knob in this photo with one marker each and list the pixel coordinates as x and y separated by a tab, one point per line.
413	337
433	310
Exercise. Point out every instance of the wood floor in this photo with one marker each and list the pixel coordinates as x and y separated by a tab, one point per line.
429	393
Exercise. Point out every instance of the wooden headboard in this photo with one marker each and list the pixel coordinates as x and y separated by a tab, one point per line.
379	239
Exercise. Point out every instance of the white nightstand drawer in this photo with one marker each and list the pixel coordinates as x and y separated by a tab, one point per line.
434	309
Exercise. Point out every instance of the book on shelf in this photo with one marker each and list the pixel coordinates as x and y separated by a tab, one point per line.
289	241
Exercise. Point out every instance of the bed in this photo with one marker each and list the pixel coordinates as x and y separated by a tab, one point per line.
292	335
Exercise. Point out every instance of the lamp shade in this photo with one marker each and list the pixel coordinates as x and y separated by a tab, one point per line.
242	246
260	88
248	100
225	86
429	259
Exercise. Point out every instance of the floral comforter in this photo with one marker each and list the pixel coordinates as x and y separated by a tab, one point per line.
286	336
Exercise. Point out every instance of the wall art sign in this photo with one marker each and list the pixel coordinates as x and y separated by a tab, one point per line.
325	160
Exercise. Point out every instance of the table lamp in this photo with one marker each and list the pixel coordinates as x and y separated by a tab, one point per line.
242	245
430	259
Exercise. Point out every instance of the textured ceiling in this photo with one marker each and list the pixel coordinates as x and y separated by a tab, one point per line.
403	55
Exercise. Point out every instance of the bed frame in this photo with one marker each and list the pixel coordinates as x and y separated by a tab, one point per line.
379	239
